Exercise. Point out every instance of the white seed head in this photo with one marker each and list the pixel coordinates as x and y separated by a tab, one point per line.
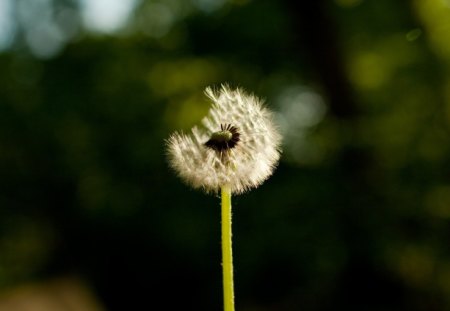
237	145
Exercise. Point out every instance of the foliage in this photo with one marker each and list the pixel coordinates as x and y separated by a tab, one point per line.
356	216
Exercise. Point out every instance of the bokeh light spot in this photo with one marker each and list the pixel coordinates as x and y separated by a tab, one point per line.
106	16
368	70
414	34
6	24
156	19
300	109
435	15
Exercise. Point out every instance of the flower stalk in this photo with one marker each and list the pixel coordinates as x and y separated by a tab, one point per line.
227	252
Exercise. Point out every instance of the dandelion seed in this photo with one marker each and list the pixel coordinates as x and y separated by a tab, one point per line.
237	145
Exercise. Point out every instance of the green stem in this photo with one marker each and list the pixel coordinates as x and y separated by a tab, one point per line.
227	255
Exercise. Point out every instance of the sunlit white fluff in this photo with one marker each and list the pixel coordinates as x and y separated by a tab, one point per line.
246	165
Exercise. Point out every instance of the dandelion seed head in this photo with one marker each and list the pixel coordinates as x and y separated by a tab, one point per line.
237	145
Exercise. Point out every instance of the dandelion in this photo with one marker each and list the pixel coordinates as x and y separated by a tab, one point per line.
236	149
238	145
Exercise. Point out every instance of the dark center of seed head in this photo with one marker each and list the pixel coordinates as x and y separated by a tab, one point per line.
225	139
221	136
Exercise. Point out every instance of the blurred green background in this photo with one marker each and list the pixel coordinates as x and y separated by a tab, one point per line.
357	215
